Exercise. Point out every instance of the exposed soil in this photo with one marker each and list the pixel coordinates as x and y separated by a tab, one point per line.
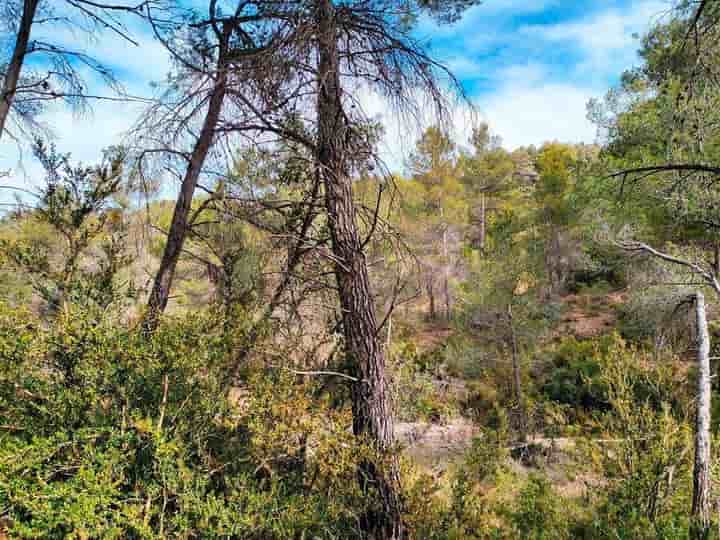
431	337
437	448
589	316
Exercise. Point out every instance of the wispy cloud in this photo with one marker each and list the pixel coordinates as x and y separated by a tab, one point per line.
531	65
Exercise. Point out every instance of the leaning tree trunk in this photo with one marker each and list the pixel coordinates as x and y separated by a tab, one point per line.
157	302
295	254
12	75
372	414
700	526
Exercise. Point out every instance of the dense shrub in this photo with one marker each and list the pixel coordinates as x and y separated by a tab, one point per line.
465	358
644	454
419	395
539	512
106	434
574	379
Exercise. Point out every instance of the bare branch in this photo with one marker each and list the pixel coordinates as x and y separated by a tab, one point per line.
710	279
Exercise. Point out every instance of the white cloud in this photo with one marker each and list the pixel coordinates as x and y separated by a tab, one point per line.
522	75
606	40
477	17
527	108
404	128
524	109
530	107
608	30
522	114
462	67
525	115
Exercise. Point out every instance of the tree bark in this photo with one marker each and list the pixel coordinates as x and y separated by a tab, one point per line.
700	524
430	288
372	414
16	62
388	339
157	302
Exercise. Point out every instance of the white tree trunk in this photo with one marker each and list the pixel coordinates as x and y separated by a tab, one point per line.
700	527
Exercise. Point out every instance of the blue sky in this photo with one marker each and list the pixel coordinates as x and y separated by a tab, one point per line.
529	67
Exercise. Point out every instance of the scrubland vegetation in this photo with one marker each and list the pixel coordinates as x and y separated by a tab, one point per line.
303	345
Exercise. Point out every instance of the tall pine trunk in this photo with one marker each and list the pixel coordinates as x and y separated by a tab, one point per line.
158	300
372	414
700	525
12	75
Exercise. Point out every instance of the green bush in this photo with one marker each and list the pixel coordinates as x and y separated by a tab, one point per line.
643	455
539	513
107	434
577	380
574	379
488	454
464	358
418	396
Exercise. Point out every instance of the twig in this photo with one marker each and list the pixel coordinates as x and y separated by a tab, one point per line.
328	373
163	404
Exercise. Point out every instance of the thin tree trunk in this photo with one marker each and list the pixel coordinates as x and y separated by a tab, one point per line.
12	74
157	302
517	376
389	334
372	414
295	254
430	288
446	292
700	527
482	223
549	265
555	264
446	275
